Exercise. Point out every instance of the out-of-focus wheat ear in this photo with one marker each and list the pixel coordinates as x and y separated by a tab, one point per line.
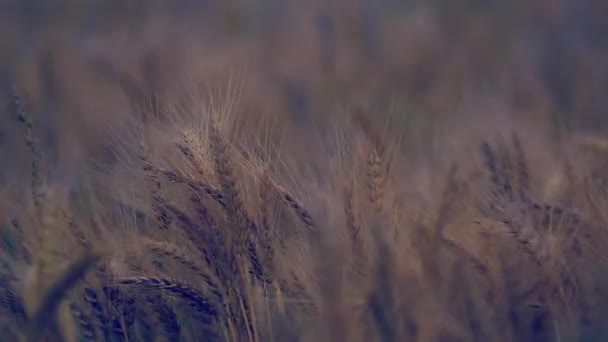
376	179
506	169
87	330
173	252
501	187
377	165
491	163
44	313
351	221
163	217
523	175
39	179
193	297
528	239
77	231
11	303
23	246
292	202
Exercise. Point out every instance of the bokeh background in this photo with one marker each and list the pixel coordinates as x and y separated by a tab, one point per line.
438	63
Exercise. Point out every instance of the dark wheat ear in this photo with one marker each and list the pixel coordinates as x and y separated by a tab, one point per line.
193	297
491	163
171	251
39	179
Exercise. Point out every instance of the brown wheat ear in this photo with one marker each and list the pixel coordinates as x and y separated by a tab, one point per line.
235	209
377	165
290	201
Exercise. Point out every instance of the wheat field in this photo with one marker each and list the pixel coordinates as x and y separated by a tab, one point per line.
389	173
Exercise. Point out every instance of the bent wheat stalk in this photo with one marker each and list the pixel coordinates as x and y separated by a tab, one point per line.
49	303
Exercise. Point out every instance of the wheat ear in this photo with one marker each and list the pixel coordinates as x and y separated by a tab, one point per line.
292	202
173	252
195	299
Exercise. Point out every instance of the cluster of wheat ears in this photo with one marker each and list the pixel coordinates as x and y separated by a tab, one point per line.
220	243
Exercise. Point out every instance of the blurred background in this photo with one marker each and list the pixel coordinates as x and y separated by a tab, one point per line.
85	66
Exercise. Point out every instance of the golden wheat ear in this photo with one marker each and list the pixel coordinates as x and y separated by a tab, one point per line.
377	162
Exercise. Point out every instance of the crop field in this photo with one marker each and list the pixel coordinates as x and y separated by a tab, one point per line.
284	170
